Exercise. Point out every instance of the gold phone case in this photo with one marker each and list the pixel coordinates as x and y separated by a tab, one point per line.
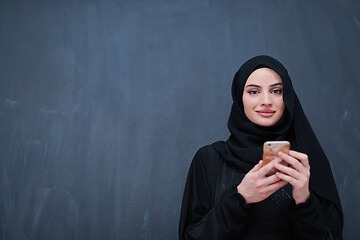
271	148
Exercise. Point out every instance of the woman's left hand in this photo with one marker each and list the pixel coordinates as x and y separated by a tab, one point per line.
298	174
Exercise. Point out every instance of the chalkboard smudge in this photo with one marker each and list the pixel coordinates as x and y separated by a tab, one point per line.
357	22
52	111
144	227
11	103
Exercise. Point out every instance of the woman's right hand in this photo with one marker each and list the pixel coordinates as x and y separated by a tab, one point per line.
256	186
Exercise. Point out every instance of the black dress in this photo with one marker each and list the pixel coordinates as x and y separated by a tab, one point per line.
212	208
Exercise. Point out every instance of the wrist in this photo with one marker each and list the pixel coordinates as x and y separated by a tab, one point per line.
241	192
303	199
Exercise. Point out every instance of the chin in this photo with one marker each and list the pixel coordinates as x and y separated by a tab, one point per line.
266	122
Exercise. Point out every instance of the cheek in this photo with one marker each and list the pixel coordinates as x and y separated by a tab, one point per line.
249	106
280	105
249	103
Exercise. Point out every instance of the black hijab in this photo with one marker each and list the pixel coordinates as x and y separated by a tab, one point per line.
243	149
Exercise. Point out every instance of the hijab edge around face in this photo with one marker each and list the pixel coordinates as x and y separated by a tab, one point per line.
243	149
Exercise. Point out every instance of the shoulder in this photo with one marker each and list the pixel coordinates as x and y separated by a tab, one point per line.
207	154
205	167
206	159
207	150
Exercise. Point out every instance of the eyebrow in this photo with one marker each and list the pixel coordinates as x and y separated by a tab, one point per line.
272	85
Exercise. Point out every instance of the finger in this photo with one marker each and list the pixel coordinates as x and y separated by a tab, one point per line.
288	171
274	187
266	169
292	161
301	156
270	180
257	166
287	178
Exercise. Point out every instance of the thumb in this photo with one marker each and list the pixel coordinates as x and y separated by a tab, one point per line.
257	167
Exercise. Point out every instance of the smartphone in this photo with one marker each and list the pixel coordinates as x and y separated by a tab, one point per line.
270	152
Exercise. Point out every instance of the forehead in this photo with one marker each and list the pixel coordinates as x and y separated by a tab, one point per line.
263	76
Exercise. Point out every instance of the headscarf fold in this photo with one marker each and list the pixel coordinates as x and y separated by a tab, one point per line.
243	149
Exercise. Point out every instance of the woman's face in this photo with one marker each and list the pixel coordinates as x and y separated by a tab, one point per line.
263	97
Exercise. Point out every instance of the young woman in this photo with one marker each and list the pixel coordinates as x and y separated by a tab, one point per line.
228	193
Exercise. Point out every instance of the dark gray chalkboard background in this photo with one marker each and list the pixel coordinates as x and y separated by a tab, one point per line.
104	103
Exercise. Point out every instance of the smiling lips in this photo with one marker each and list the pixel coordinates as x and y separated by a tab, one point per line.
266	113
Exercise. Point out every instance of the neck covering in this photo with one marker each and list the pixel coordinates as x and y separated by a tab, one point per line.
243	149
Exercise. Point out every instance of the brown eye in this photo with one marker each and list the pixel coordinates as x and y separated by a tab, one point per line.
277	91
253	92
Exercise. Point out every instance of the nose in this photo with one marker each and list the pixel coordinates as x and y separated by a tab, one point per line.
266	99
